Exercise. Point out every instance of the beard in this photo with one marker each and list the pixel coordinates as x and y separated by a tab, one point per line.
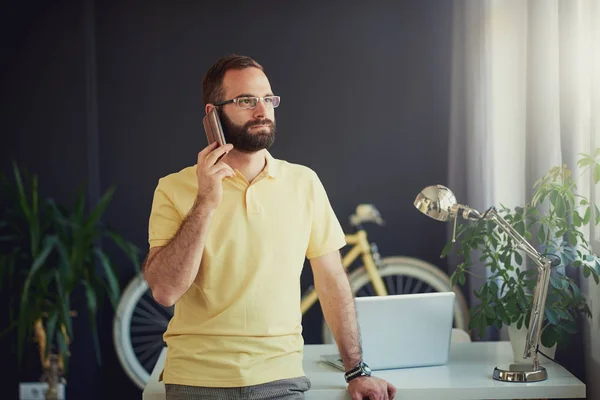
249	142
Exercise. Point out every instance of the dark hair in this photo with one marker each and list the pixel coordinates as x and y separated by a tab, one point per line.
212	82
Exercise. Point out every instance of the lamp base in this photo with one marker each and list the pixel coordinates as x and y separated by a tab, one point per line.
519	373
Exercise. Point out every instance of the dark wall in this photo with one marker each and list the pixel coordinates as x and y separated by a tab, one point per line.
365	93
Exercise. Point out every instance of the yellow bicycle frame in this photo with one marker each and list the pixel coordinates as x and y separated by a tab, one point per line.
360	248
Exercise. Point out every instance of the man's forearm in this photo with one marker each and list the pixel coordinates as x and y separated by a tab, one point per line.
173	269
338	308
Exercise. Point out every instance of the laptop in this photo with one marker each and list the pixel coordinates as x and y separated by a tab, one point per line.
403	331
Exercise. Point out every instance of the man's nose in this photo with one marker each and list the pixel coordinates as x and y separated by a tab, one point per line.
260	111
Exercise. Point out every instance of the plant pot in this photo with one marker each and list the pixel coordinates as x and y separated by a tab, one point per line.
517	341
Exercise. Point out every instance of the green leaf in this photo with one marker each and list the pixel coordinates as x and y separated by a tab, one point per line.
597	214
511	305
130	250
461	278
560	207
454	278
90	295
585	160
572	238
64	304
21	193
446	249
555	282
100	208
576	290
51	330
63	347
549	336
586	217
520	227
541	235
113	282
493	288
520	322
592	272
577	220
597	173
551	315
39	261
562	314
92	303
586	271
518	258
66	268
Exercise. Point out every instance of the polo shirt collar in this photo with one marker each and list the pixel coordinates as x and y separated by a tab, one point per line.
271	165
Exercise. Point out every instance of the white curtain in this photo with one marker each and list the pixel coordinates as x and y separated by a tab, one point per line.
525	97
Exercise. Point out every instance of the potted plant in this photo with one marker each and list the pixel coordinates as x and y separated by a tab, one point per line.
48	254
553	221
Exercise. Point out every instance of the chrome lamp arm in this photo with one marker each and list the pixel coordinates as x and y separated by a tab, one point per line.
541	287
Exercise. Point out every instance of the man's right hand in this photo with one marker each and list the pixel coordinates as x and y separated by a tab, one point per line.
211	173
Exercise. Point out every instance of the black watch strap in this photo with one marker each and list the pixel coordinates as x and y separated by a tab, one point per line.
361	369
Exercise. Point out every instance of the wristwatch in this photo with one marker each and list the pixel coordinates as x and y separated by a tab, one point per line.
361	369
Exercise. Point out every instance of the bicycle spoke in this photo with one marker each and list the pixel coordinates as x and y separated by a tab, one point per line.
390	285
149	352
151	345
145	313
142	329
147	338
145	321
149	307
156	308
418	286
408	286
151	362
371	290
400	284
366	291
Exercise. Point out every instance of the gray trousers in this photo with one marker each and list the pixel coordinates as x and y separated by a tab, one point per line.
285	389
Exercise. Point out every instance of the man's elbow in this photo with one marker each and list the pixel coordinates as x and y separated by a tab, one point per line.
161	294
163	297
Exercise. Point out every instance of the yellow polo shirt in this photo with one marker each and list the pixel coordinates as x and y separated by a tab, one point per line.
239	324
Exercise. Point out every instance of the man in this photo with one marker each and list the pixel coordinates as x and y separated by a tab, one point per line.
228	239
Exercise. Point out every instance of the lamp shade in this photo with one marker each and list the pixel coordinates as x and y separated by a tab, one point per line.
436	202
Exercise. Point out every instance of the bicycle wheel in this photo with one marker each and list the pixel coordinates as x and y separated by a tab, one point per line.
405	275
138	329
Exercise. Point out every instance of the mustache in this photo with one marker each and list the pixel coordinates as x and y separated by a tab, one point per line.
265	122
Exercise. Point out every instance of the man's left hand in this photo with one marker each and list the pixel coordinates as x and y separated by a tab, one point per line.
372	388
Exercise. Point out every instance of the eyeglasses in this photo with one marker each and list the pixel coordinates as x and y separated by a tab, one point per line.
249	103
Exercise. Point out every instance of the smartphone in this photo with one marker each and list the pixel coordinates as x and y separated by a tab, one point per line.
213	128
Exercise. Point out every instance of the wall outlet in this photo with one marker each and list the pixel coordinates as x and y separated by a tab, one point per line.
37	391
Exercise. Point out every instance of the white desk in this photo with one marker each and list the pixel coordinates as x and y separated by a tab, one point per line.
468	375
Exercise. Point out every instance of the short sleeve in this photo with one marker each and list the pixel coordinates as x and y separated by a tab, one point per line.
326	233
164	219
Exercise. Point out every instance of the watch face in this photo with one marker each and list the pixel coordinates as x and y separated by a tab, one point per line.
366	368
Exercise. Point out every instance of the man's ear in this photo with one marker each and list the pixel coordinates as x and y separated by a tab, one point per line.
208	108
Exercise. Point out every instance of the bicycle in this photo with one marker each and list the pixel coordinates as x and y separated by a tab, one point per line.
140	322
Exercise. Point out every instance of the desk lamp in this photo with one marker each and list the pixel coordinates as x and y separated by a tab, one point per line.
438	202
